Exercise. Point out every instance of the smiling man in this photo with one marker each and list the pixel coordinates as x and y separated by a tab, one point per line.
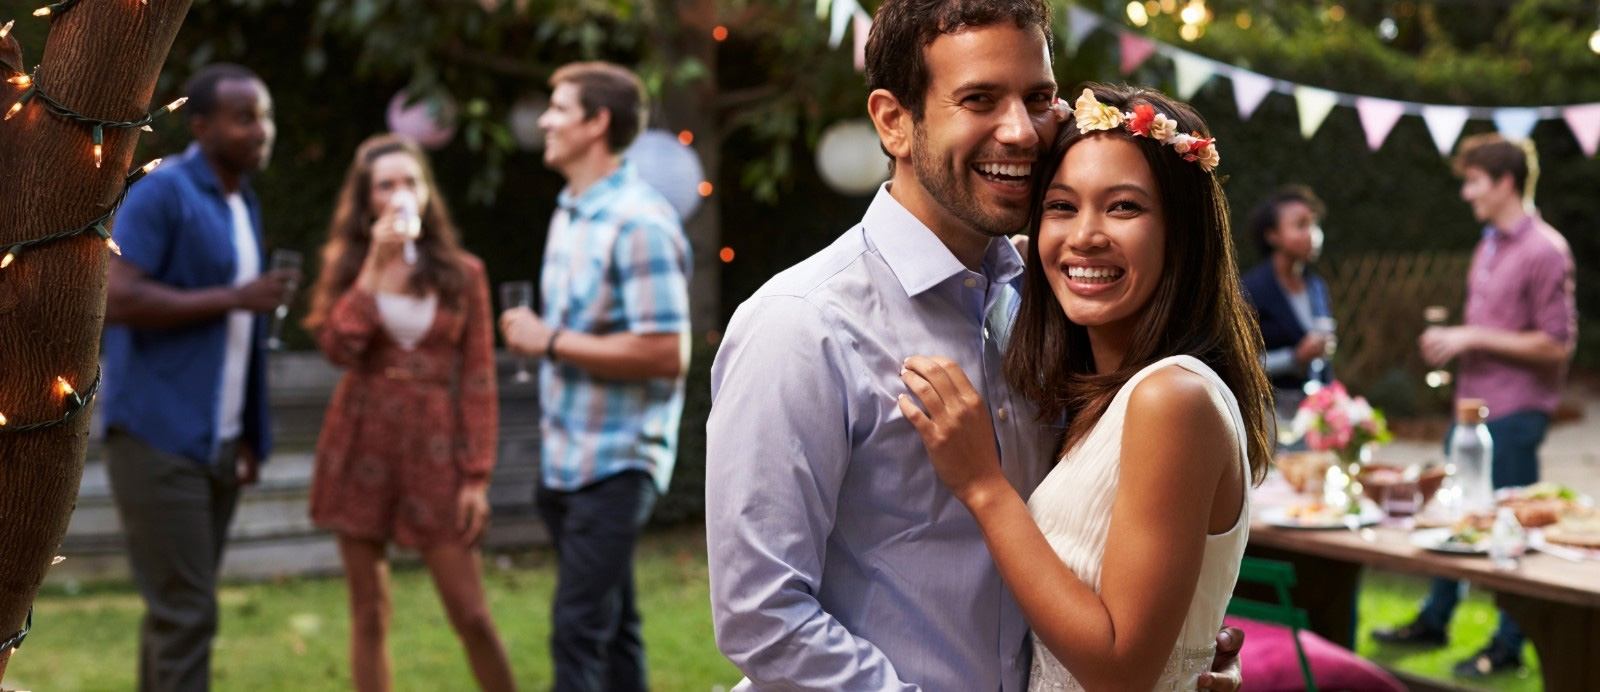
838	561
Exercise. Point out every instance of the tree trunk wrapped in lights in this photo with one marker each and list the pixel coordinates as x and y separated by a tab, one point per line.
65	159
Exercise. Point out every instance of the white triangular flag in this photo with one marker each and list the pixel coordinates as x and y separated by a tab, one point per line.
860	29
1516	123
839	20
1444	123
1193	73
1378	117
1080	23
1314	105
1248	90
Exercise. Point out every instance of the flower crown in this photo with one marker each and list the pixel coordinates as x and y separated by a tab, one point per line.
1144	121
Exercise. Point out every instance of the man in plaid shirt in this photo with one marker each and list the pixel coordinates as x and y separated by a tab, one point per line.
614	338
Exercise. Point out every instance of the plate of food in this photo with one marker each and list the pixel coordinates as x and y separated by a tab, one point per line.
1575	529
1317	515
1465	539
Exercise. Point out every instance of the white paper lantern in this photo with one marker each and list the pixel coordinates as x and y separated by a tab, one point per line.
850	158
431	122
670	167
524	118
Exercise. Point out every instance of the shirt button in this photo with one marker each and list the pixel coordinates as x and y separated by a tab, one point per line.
970	283
986	333
1002	413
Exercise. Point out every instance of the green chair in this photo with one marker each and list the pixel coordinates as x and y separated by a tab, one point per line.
1280	577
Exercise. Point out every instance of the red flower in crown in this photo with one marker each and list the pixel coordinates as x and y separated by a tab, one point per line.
1143	115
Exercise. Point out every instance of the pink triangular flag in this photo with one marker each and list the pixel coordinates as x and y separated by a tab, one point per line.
860	28
1135	50
1249	89
1585	123
1378	117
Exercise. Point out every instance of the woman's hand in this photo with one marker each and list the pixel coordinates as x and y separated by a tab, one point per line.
472	510
388	241
954	424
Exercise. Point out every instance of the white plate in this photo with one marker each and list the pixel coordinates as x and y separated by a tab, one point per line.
1435	540
1279	517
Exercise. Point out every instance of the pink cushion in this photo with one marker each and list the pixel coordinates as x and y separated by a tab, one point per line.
1269	662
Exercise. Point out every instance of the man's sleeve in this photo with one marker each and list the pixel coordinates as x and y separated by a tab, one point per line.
1552	297
652	269
144	226
777	448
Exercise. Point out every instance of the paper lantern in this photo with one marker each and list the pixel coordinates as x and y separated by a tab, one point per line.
430	121
525	115
670	167
850	159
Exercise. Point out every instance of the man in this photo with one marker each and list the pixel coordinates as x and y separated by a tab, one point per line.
838	560
1518	334
614	335
185	401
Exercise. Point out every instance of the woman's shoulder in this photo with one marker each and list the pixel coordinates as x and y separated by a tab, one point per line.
471	264
1179	389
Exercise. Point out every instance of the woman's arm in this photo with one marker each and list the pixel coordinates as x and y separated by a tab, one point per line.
1121	637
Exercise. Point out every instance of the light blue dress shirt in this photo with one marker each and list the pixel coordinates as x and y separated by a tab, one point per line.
838	560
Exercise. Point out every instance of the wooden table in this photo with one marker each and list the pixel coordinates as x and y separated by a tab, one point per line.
1555	601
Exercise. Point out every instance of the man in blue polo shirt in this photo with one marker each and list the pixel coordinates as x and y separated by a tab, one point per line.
185	376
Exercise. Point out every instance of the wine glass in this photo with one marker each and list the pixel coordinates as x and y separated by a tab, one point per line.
1436	316
291	260
518	294
1323	326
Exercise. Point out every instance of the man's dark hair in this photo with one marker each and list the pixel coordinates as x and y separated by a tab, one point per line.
202	87
1499	157
1264	217
901	30
614	88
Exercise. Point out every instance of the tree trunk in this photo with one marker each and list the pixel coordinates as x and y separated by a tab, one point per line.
101	60
692	107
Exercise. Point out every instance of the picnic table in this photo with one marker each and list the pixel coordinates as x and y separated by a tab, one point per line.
1555	600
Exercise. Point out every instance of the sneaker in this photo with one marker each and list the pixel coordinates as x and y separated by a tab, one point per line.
1417	633
1489	660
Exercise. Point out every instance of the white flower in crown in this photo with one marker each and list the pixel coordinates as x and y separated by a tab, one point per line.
1163	128
1092	115
1209	160
1181	143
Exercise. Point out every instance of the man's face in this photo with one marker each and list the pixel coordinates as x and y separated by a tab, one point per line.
567	135
239	132
986	116
1487	195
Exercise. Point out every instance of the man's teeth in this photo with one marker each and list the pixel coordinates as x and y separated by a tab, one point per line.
1094	273
1015	170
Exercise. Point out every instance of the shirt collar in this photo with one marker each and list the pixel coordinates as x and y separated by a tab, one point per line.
917	257
1514	232
598	196
195	164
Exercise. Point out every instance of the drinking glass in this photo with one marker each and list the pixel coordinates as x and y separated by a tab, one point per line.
518	294
291	260
1436	316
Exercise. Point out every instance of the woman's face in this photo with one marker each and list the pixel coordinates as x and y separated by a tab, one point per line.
391	173
1297	235
1102	233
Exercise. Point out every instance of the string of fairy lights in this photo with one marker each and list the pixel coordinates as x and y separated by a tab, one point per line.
73	401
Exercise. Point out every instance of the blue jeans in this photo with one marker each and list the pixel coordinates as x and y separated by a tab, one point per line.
1515	462
595	636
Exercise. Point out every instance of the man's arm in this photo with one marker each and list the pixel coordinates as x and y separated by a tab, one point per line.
777	448
1549	343
135	299
625	356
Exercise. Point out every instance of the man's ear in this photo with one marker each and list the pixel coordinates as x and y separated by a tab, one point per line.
893	122
599	125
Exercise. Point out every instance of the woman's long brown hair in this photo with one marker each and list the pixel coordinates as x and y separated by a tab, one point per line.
438	268
1197	308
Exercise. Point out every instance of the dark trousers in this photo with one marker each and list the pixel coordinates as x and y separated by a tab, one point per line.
1515	462
595	636
175	516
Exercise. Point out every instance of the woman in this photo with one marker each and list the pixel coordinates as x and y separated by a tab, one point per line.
1290	300
409	438
1133	333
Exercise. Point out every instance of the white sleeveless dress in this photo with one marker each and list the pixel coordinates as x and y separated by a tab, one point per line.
1073	509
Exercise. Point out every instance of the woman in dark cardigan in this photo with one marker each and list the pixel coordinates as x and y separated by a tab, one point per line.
1290	300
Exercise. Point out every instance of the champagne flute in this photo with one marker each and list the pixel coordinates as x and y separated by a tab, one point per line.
291	260
518	294
1436	316
1325	327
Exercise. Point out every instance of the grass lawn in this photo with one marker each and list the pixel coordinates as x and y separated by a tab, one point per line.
291	635
1391	599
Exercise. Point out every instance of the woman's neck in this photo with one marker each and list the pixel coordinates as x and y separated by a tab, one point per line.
1291	272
